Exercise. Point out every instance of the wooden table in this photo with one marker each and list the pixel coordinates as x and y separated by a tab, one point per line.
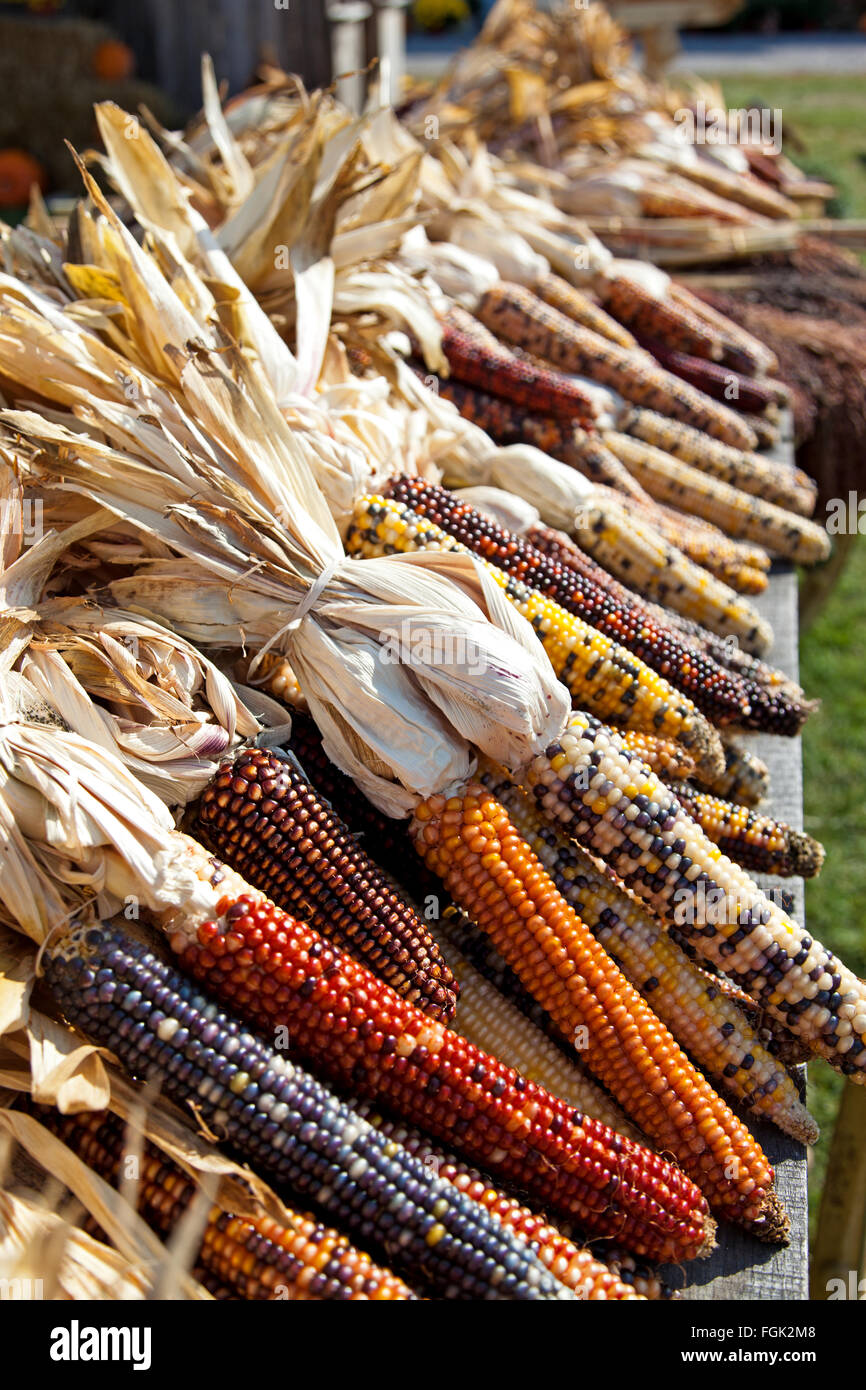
741	1267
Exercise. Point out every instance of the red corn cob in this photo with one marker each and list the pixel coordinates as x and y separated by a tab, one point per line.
477	357
279	972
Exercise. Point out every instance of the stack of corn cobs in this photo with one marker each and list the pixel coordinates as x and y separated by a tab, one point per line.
374	813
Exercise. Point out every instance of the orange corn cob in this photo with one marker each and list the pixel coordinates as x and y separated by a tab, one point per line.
490	872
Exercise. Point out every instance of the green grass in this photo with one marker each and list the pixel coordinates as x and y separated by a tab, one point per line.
828	115
833	666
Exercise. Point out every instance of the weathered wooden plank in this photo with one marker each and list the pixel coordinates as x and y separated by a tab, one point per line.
742	1267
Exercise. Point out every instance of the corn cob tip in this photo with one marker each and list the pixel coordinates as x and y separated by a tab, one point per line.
774	1226
806	854
707	750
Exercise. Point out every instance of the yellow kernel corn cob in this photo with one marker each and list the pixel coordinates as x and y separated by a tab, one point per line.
599	674
667	758
639	556
275	675
590	1277
745	777
492	1023
704	1021
731	561
788	488
582	310
758	842
603	797
520	317
489	870
652	316
739	513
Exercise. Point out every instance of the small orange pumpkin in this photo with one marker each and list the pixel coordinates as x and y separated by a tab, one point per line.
113	61
18	172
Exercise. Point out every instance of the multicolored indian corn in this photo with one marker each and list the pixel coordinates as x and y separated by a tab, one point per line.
252	1257
699	1012
488	869
607	800
280	973
282	1120
758	842
740	514
263	817
599	674
723	696
517	316
774	482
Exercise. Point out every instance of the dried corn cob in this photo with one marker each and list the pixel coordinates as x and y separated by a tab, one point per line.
276	676
788	488
667	758
252	1258
282	1119
563	440
745	778
740	349
497	1026
758	842
641	558
751	394
476	357
731	561
577	1269
738	513
606	800
282	974
599	674
582	310
518	316
700	1016
767	434
262	816
489	870
652	316
725	697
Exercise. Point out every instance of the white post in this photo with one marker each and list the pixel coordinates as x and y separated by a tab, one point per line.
391	42
348	46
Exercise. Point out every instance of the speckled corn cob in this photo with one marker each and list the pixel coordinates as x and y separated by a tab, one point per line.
767	433
758	842
723	696
563	440
385	840
283	1120
479	359
738	513
745	779
493	1023
668	320
578	307
599	674
740	349
603	797
667	758
490	871
283	975
639	556
518	316
753	395
586	1274
704	1021
252	1258
750	472
263	817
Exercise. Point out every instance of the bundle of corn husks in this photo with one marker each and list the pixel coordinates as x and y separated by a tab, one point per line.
207	458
